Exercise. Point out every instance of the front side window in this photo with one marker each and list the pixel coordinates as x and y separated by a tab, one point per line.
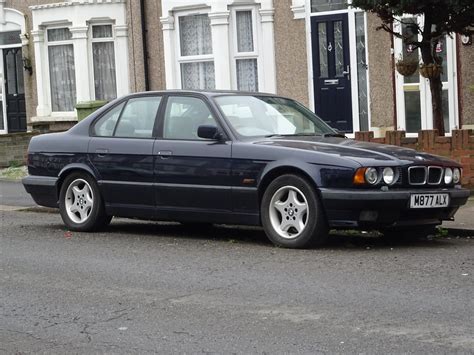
61	70
183	116
196	60
103	58
245	52
252	116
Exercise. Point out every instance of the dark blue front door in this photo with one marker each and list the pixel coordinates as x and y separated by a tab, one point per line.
331	70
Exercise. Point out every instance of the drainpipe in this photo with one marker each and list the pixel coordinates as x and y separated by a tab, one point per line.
145	44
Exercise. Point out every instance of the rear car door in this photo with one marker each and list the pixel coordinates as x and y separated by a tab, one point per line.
121	151
192	174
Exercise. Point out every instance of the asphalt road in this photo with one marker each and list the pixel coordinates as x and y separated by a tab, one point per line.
146	287
12	193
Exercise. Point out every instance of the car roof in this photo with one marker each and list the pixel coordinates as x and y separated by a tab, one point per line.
208	93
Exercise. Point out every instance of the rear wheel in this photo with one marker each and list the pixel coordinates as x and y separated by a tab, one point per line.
292	215
80	204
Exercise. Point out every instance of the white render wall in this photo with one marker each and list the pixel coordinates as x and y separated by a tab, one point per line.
77	15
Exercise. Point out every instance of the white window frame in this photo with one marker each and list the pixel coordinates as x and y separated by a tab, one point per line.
91	53
235	54
424	87
192	58
47	43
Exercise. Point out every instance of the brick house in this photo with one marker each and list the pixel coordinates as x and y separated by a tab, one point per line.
321	52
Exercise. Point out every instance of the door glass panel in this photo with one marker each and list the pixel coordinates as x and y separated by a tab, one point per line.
338	48
413	111
138	118
183	116
362	71
19	73
2	124
328	5
11	72
409	52
323	50
445	99
441	51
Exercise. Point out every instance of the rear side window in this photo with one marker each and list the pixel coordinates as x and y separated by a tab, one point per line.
135	120
105	126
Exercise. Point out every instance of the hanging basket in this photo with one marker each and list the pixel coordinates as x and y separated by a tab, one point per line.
431	70
406	67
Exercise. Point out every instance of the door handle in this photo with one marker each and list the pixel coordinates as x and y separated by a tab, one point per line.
101	152
347	72
165	154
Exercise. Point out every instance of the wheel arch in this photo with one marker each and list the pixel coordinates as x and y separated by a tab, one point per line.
72	168
305	171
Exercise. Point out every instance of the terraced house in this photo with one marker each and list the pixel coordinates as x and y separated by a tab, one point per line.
324	53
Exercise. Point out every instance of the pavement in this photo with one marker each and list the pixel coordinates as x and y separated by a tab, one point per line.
145	287
13	197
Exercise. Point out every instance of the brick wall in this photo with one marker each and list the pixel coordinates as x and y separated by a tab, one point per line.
14	147
459	147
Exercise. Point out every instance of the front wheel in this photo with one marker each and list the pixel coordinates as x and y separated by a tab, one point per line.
80	204
292	215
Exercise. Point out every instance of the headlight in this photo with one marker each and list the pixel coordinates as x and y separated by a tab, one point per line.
388	176
448	176
456	175
371	176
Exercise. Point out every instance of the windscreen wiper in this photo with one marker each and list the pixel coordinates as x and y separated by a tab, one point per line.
291	135
334	134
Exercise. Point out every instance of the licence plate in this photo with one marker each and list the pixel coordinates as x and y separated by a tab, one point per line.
429	200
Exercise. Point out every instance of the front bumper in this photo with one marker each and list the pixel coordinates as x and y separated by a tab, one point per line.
348	208
43	189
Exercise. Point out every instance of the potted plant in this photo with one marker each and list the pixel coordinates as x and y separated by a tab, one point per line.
406	67
430	71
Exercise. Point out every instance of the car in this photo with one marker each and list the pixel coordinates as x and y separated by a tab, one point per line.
203	157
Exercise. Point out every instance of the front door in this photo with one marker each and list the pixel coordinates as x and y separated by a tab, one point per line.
192	174
331	70
14	90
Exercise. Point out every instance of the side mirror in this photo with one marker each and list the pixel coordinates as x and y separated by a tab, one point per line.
209	132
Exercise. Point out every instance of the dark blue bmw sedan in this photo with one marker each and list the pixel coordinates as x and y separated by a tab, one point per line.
236	158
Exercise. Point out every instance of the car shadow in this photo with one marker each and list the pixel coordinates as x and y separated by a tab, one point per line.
338	240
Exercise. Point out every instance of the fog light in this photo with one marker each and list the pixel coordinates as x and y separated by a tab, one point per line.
448	176
456	175
388	176
371	176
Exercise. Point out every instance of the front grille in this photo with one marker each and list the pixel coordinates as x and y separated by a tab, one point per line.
435	174
422	175
417	175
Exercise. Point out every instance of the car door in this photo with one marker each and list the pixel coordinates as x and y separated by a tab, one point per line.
121	151
191	174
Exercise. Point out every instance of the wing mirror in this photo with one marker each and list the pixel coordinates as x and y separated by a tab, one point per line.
209	132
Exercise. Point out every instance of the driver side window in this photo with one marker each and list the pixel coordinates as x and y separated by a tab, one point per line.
183	116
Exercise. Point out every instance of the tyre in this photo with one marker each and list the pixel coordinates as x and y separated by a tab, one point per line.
80	204
408	234
292	215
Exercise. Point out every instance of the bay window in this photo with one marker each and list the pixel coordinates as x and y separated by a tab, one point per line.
103	60
61	70
196	60
245	54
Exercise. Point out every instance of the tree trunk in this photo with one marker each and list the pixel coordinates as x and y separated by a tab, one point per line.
436	87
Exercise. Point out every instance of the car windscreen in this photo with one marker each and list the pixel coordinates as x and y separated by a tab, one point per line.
253	116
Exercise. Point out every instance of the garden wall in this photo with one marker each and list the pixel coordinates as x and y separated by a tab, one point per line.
13	148
459	147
